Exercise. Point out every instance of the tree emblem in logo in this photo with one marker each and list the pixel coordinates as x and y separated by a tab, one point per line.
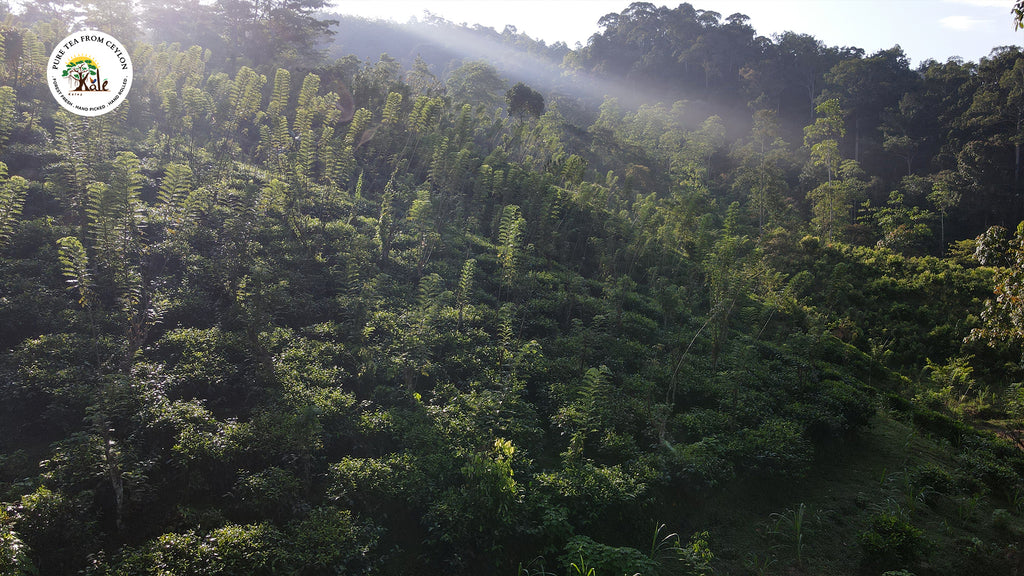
83	75
89	73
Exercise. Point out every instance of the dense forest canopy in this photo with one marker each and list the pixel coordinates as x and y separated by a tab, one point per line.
327	295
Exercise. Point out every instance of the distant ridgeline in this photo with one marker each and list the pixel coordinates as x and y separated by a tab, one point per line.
684	300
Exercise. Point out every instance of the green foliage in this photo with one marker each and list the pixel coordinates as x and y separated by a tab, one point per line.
70	133
828	126
244	98
792	525
358	127
386	222
278	102
12	200
174	192
524	101
231	549
8	108
476	83
668	555
953	387
426	113
504	336
903	229
1003	316
584	556
75	267
50	520
466	284
510	237
891	542
14	558
116	215
306	105
491	477
392	108
329	540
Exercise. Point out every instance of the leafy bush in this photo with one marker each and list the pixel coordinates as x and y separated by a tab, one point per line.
270	493
981	558
701	462
891	541
328	541
606	560
253	550
668	556
980	462
13	555
777	448
64	527
934	476
1001	518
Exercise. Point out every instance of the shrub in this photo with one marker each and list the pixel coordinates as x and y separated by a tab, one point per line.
13	555
668	555
936	477
891	541
776	449
607	560
1001	518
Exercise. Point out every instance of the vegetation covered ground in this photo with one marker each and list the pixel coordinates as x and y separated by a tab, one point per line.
684	300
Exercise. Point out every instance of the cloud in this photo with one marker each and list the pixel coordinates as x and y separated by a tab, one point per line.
962	22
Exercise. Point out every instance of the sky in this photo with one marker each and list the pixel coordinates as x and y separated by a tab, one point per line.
925	29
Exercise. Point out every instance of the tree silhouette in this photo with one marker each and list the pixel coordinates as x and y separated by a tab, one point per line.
524	101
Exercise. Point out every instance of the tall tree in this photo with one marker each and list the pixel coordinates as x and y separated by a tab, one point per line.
524	101
1003	316
805	62
822	138
477	83
760	175
187	22
866	87
273	32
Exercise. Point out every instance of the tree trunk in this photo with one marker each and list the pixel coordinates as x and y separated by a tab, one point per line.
856	139
1016	165
116	480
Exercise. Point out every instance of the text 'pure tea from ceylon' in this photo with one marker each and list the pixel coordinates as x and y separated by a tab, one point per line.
89	73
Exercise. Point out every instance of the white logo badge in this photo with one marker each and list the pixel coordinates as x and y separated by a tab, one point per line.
89	73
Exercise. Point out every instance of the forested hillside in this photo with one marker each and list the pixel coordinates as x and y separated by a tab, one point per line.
683	300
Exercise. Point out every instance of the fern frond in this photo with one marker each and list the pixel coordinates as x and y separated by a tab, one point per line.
360	122
305	108
305	156
392	108
466	283
272	197
12	200
279	98
174	192
510	235
245	97
8	105
175	187
75	268
430	289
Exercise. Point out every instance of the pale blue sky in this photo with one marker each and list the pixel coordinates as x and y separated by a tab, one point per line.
925	29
